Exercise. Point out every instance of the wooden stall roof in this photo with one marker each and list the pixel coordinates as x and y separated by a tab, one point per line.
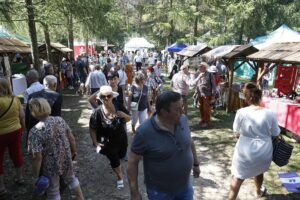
241	51
279	53
193	50
230	51
220	51
57	46
10	45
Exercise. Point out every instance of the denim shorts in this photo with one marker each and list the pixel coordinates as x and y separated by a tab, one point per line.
187	194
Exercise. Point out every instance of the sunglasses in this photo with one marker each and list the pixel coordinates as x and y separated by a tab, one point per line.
106	96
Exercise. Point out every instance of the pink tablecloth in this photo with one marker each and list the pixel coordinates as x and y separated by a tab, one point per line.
288	114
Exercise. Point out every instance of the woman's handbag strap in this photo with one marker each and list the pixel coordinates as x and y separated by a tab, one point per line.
12	99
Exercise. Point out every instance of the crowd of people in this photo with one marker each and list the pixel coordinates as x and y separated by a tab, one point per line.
129	87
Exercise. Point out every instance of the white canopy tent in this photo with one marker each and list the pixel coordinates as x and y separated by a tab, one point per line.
137	43
281	35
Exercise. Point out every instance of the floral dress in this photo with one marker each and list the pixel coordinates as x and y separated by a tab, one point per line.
51	138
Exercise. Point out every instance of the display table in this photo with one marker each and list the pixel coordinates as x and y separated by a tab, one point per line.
287	113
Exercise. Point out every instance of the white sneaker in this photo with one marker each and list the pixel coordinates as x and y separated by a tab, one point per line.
120	184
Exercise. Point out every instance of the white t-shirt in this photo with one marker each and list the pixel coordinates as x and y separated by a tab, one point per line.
138	58
151	60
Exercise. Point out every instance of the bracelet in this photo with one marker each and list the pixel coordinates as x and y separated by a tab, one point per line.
196	165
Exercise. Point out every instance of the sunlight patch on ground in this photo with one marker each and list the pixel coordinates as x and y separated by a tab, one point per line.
83	120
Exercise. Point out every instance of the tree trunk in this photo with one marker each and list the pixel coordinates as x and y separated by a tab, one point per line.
172	24
47	38
33	36
87	46
241	32
196	22
48	42
70	35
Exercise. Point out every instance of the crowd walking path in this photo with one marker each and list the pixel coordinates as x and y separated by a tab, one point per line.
215	149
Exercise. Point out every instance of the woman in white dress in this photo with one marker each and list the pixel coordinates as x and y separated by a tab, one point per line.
254	127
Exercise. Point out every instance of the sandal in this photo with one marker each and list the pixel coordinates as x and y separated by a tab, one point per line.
120	184
19	181
263	192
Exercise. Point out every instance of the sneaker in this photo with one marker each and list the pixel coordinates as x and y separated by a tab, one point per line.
120	184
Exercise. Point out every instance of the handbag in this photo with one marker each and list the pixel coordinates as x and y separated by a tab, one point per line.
282	151
135	105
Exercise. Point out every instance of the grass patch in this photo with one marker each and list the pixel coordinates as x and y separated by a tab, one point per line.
219	142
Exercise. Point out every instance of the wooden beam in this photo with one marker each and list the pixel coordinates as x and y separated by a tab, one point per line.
230	77
239	65
273	66
253	66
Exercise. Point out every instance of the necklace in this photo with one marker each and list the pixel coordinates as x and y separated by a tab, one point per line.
108	114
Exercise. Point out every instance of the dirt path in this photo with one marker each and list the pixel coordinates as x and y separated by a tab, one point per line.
214	146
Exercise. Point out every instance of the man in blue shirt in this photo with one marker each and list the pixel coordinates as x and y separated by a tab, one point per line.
168	151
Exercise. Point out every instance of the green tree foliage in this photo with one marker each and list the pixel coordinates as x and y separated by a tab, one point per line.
215	22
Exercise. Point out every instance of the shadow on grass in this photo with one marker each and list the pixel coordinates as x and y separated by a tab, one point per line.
292	196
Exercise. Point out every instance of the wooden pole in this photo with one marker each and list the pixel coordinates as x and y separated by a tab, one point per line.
230	64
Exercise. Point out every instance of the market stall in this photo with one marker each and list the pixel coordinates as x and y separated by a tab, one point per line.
283	99
230	55
58	52
14	62
193	53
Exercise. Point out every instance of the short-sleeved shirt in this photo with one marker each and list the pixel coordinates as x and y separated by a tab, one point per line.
152	85
137	94
122	77
11	120
167	157
181	82
54	99
206	85
57	159
96	79
34	87
112	131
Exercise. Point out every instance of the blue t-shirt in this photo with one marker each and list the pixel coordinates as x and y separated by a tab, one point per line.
167	157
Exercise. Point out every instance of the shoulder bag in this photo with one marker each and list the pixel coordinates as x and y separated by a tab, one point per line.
12	100
282	151
135	105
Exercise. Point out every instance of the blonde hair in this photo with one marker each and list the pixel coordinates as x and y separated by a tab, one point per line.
5	89
39	108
